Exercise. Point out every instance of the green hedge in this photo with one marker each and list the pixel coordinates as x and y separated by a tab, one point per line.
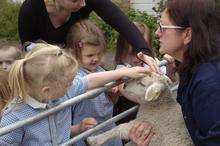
133	15
9	20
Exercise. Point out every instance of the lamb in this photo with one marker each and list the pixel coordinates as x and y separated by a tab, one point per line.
157	107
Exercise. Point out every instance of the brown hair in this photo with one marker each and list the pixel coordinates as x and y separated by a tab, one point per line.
203	17
84	32
5	92
123	45
45	63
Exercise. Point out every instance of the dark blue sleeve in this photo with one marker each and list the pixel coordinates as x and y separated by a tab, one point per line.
206	111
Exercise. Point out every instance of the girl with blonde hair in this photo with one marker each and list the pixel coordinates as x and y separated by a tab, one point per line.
37	83
5	92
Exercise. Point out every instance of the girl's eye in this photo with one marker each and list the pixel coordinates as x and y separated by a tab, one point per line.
9	62
89	55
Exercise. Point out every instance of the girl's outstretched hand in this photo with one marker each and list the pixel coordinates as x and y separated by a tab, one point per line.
136	72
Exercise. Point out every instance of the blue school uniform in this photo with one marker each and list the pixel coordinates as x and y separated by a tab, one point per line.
200	102
40	133
100	108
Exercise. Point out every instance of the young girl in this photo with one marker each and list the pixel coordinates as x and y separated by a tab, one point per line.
37	83
124	57
8	54
87	43
5	92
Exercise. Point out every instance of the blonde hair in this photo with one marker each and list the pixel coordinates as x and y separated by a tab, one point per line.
123	45
84	32
43	64
5	92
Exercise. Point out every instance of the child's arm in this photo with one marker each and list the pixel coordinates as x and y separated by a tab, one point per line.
83	126
99	79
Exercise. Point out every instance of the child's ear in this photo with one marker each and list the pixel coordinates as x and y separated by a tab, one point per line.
45	90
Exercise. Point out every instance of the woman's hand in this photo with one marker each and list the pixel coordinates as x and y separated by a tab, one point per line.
171	67
141	133
149	61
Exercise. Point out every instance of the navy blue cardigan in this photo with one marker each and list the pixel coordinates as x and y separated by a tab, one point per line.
200	102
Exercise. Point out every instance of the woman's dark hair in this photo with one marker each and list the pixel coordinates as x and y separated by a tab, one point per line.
203	17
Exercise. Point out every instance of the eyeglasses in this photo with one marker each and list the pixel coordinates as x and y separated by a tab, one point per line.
164	27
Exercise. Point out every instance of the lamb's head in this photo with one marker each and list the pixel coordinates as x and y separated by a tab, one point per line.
150	87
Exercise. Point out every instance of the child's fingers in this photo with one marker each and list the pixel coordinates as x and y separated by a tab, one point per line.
139	69
89	121
89	126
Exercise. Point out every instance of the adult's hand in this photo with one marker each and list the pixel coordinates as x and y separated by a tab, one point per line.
141	133
171	67
149	61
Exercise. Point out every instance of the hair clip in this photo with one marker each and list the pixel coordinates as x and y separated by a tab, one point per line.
80	44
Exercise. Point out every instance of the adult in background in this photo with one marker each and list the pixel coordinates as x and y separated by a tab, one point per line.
50	20
190	32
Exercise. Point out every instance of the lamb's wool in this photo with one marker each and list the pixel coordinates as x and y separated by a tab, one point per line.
156	107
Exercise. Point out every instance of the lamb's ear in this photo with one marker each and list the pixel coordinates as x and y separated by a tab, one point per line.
154	91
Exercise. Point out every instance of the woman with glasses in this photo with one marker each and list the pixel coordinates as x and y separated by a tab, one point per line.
50	20
189	31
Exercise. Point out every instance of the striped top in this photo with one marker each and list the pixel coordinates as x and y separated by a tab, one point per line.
100	108
40	133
